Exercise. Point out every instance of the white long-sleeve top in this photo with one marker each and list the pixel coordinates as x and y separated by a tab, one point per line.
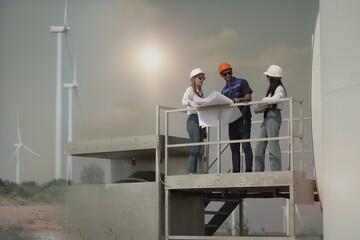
188	96
279	93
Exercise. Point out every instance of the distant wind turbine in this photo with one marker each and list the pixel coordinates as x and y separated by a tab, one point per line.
58	112
71	86
18	146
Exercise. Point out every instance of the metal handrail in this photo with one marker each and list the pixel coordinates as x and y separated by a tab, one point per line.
290	136
259	122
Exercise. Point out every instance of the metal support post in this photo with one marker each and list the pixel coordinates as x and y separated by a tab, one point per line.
289	146
241	217
167	214
291	123
302	136
157	159
292	211
167	194
218	140
166	142
207	152
157	151
157	131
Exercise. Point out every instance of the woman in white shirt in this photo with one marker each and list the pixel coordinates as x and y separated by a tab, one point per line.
197	77
272	122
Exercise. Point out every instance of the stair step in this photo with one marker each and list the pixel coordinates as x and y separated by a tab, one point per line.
224	200
219	219
216	213
211	226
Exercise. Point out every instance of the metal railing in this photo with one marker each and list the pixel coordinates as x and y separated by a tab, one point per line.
291	134
286	120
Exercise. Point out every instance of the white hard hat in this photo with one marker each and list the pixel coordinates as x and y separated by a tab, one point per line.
195	72
274	71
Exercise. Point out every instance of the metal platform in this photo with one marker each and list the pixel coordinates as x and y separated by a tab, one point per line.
253	237
231	188
245	185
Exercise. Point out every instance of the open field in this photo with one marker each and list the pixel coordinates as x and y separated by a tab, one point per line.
31	217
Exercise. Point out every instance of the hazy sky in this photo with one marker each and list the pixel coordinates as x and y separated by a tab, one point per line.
118	91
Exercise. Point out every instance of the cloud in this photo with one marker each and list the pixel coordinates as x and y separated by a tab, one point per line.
282	55
145	9
228	37
226	47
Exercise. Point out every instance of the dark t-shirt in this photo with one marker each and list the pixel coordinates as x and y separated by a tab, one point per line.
238	88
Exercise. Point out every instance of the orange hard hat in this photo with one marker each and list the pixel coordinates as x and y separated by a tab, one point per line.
223	67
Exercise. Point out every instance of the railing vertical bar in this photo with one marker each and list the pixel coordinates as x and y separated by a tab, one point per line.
291	134
167	194
157	152
207	152
166	142
157	120
218	139
302	136
289	146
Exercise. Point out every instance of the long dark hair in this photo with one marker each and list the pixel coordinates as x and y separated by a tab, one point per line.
200	93
274	83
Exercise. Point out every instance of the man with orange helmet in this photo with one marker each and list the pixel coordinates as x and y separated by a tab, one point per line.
238	90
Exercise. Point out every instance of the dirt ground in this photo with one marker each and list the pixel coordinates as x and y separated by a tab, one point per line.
31	217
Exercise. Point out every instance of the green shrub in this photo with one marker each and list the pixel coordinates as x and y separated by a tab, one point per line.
53	191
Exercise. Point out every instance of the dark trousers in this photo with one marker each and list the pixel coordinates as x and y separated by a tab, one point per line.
241	129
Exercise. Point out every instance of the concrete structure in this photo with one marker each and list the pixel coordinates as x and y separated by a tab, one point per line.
133	205
139	206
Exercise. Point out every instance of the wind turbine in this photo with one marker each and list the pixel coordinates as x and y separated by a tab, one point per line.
58	111
71	86
18	146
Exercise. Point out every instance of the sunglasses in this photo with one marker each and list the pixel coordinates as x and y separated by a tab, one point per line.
224	74
201	78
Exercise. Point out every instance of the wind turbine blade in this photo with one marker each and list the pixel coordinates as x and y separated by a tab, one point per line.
79	108
69	51
77	97
18	127
32	152
14	154
65	13
77	93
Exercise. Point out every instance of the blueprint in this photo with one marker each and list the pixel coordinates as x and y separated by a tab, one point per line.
207	112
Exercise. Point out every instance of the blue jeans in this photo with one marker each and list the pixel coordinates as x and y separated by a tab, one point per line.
241	129
269	128
194	131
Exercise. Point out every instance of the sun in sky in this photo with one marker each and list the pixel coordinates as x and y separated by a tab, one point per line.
150	58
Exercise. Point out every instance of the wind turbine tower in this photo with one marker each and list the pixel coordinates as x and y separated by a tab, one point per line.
70	86
58	112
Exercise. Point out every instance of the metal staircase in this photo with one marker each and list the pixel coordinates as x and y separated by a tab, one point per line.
219	217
